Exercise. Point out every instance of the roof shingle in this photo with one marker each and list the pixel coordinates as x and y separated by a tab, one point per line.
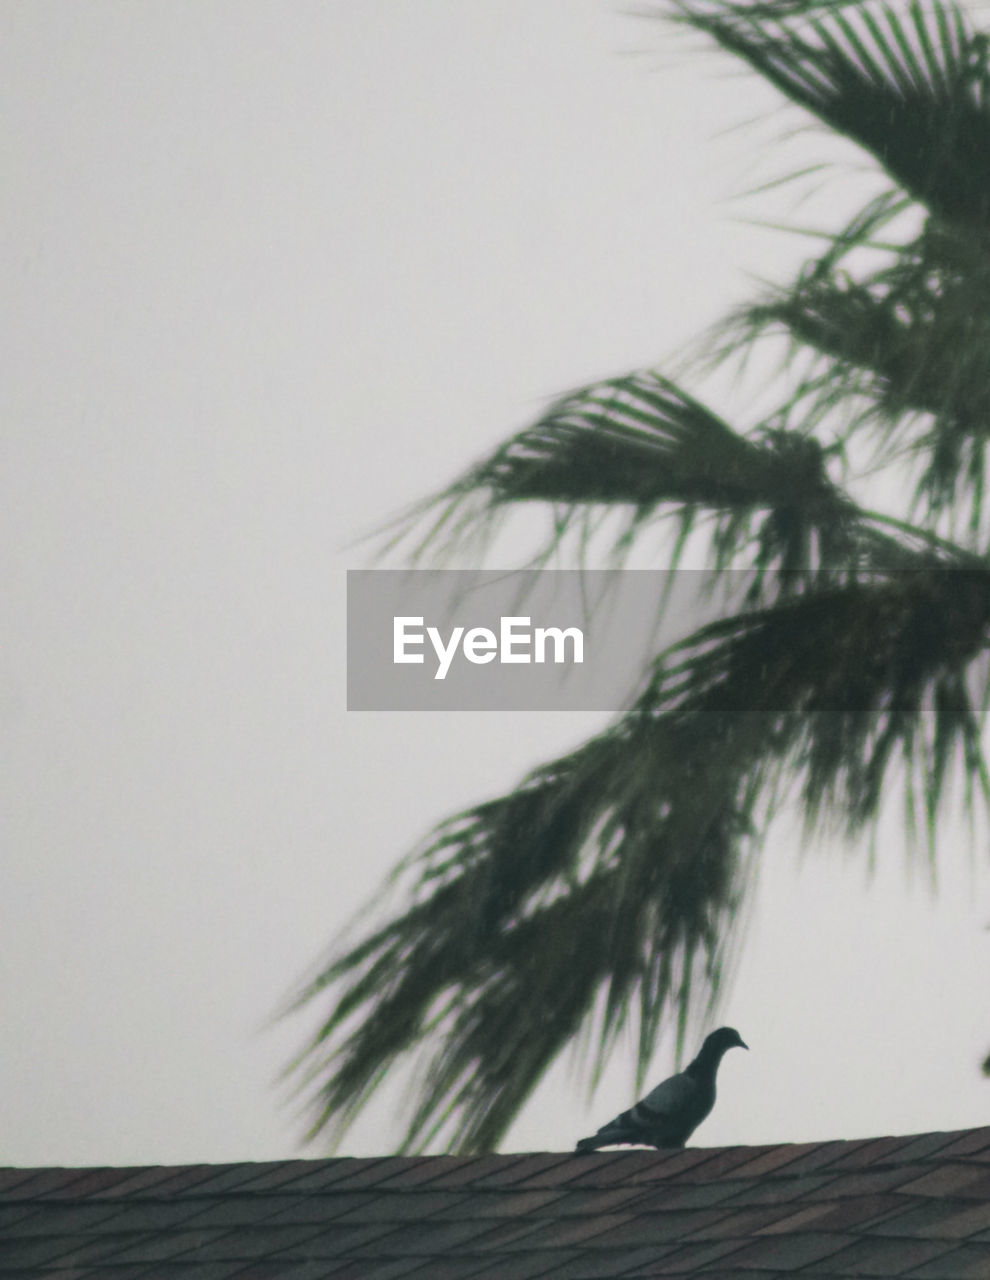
914	1207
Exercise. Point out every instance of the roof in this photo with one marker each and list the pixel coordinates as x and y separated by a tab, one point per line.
916	1206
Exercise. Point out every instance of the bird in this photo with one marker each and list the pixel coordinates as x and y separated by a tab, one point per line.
671	1112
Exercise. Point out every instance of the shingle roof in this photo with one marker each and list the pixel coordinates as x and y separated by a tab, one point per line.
915	1206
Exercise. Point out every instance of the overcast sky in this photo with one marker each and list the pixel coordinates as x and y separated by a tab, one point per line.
275	271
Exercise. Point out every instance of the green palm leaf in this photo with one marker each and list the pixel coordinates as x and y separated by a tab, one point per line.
846	673
642	442
611	879
912	93
901	342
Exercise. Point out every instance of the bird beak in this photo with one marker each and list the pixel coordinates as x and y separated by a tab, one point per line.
742	1043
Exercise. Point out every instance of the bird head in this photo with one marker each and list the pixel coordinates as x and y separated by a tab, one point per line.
724	1038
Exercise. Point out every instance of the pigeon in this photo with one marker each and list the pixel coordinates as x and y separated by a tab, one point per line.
671	1112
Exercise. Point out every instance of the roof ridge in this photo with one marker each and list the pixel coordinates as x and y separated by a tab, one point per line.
877	1152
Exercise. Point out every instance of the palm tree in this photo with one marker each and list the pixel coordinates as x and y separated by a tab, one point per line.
604	889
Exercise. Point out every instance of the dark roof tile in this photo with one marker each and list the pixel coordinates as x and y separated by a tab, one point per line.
247	1243
140	1179
695	1258
139	1272
528	1266
226	1271
275	1209
384	1269
13	1214
608	1262
725	1225
661	1228
438	1238
510	1203
124	1215
604	1200
356	1172
785	1222
884	1257
214	1179
270	1271
40	1219
641	1168
769	1161
950	1179
927	1145
970	1262
148	1247
875	1152
323	1209
508	1235
442	1171
88	1182
946	1219
824	1156
777	1190
10	1179
34	1251
840	1215
695	1195
532	1171
789	1253
967	1221
31	1184
723	1273
729	1161
871	1181
267	1176
31	1273
561	1233
200	1178
340	1242
409	1206
974	1143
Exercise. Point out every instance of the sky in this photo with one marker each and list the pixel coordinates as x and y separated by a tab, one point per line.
275	272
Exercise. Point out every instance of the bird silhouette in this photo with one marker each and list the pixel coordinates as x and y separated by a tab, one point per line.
671	1112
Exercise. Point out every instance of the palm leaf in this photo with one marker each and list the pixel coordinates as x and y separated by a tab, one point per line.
914	95
495	962
849	673
637	439
608	883
642	442
902	341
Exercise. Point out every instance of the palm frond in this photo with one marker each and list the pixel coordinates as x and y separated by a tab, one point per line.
913	93
643	443
637	439
905	344
608	883
848	674
580	889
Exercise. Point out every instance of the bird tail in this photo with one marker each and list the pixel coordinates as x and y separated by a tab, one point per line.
587	1146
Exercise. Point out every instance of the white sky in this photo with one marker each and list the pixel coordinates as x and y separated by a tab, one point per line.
275	271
